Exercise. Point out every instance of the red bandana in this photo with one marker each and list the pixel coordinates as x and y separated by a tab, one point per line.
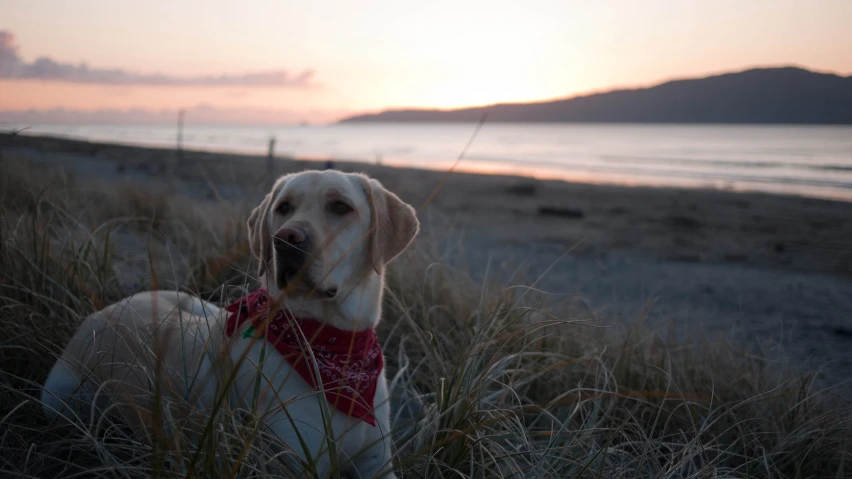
349	362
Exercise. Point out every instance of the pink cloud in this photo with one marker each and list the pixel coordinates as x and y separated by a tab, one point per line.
12	66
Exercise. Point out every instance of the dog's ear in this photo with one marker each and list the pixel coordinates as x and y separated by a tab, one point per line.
258	229
258	233
393	225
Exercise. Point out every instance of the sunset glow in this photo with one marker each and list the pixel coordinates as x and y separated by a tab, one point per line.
322	60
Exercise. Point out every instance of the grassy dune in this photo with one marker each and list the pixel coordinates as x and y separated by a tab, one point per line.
511	383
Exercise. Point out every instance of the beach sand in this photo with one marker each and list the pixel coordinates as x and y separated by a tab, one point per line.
770	271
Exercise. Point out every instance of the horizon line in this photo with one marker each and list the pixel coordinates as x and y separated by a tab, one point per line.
355	113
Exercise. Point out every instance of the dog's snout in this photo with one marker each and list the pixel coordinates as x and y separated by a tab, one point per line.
289	237
291	253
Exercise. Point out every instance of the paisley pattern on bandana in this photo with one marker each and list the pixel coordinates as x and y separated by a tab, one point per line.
349	362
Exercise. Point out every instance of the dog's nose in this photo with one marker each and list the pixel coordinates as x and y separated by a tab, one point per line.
290	236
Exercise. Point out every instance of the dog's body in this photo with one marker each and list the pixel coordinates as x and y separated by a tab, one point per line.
323	240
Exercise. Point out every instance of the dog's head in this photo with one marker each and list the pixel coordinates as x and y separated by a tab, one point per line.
318	233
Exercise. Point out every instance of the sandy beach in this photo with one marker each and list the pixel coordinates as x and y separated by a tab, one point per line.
764	270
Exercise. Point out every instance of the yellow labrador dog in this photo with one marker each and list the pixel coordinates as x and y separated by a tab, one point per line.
323	239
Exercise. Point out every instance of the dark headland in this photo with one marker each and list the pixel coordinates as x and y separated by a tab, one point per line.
785	95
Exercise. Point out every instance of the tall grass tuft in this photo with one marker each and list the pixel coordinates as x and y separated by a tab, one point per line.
488	379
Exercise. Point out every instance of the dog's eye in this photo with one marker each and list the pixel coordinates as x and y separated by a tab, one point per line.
339	208
283	208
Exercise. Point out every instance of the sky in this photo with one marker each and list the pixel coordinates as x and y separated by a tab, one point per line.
285	61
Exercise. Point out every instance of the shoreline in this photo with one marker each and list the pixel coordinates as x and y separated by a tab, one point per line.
584	170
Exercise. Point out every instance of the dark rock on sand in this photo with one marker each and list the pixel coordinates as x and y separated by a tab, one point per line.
559	211
683	222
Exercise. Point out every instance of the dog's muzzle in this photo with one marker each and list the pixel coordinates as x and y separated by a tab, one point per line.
292	261
291	253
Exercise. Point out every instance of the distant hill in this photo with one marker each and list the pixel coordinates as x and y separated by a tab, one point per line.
764	95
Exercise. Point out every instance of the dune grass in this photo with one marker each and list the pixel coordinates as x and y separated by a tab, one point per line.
505	381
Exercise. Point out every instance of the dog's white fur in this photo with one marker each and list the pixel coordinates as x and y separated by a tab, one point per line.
123	345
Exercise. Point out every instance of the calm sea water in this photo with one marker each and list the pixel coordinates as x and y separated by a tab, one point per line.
805	160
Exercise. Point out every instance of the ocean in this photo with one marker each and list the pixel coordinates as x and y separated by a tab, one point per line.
803	160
